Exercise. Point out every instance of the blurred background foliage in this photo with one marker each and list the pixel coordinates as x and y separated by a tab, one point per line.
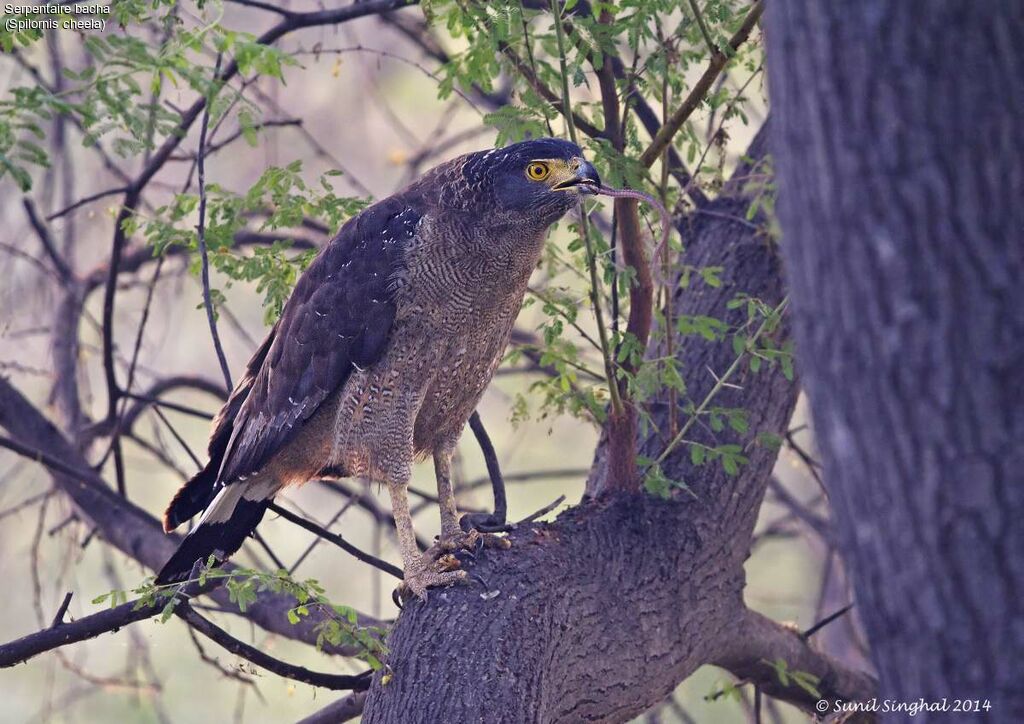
310	130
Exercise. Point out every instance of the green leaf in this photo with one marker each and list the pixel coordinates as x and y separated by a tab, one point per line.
168	610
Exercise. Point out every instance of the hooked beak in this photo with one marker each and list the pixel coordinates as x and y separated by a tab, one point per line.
585	179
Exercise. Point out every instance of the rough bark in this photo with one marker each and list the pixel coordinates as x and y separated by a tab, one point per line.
900	163
599	615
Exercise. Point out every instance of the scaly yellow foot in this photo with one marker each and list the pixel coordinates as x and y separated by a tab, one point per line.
430	573
472	540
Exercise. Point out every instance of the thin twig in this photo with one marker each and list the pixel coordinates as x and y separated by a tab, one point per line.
316	541
213	632
239	133
178	438
595	294
337	540
720	382
699	90
226	671
27	503
58	619
157	402
49	246
201	229
826	621
543	511
85	200
703	27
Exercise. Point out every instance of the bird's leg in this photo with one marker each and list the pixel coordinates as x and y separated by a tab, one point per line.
452	535
419	571
450	530
403	525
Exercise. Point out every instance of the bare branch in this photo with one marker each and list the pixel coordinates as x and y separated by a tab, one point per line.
49	246
61	634
328	681
86	200
153	395
337	540
211	317
239	133
814	521
496	519
58	619
112	619
257	5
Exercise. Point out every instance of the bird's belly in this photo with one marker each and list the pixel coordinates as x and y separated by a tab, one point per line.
417	398
460	378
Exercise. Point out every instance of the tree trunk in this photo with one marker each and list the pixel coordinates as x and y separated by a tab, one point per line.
599	615
900	163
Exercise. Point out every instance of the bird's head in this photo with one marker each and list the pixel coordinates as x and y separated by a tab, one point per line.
538	180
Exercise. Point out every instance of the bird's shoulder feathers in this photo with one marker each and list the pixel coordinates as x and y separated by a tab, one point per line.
339	315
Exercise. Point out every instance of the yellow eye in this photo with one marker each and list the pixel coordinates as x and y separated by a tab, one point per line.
537	171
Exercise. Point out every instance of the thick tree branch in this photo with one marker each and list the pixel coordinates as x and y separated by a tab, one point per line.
758	642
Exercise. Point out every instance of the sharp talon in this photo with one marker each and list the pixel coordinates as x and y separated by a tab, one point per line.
443	572
448	562
471	555
476	577
459	541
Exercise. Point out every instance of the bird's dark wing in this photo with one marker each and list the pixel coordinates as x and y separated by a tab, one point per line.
198	491
339	315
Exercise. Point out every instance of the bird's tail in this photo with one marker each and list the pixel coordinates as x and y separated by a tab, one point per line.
192	498
228	520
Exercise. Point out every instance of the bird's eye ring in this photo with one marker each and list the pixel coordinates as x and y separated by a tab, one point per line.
537	171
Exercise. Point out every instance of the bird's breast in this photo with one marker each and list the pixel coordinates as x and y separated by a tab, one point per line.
456	297
461	298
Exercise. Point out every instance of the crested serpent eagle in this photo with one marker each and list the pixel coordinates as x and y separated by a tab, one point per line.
384	349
